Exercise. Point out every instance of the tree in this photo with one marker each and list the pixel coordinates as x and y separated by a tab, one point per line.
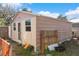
61	17
24	9
6	12
65	18
2	22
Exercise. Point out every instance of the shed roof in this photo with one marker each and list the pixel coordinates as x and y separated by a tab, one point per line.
39	16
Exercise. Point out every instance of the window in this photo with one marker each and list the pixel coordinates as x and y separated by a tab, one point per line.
28	28
28	25
14	26
28	22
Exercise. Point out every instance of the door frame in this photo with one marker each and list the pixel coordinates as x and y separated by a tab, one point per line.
19	31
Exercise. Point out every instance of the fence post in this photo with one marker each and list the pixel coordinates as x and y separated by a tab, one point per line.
6	48
10	51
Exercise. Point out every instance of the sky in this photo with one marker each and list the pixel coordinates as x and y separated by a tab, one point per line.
71	10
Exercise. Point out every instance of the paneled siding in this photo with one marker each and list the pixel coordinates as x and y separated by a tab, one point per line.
45	23
39	23
26	36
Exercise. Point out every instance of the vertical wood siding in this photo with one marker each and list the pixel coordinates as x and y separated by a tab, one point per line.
45	23
4	32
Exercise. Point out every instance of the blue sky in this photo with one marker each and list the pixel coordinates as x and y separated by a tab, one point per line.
71	10
52	7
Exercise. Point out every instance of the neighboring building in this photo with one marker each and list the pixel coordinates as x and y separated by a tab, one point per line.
75	29
39	31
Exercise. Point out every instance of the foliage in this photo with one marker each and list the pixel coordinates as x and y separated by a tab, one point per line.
61	17
24	9
71	49
6	12
2	22
19	50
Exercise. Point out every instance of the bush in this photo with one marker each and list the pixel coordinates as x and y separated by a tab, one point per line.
47	51
31	48
24	52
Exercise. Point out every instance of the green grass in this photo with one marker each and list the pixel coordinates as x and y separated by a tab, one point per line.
18	49
72	49
22	52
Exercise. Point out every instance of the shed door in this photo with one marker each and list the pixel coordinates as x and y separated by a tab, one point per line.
19	31
47	38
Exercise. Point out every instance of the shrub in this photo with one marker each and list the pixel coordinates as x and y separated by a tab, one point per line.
21	51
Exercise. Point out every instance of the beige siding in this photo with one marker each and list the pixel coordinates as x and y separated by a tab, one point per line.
29	37
39	23
46	23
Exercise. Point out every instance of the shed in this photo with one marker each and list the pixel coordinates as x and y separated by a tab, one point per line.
39	31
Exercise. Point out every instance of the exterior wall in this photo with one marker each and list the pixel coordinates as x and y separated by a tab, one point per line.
29	37
9	31
45	23
39	23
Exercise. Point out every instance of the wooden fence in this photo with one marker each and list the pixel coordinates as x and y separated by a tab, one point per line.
4	32
5	48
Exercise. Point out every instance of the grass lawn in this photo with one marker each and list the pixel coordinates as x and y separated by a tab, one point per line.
72	49
18	50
